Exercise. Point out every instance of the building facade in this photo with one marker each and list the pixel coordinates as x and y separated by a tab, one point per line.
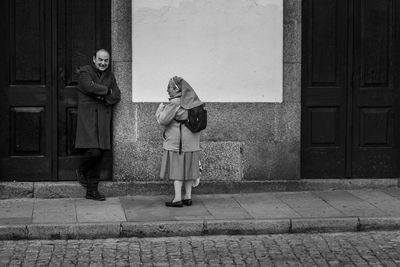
335	115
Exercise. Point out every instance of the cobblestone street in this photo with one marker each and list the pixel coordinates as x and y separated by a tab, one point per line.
338	249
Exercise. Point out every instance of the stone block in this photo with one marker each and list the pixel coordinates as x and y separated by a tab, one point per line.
160	229
58	190
247	227
292	31
288	123
12	232
292	10
113	189
16	189
240	122
121	41
381	224
123	75
292	82
139	161
147	127
51	231
221	161
149	188
121	10
311	225
98	230
271	161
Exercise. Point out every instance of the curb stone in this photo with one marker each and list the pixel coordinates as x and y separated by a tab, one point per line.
385	223
248	227
162	229
301	225
194	228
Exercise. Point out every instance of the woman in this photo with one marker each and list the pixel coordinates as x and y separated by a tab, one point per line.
180	160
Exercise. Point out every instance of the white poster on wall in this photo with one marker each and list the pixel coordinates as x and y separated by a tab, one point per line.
228	50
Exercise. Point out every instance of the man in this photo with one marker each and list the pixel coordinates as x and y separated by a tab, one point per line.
98	92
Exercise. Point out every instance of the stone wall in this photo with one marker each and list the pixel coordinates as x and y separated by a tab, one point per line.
243	142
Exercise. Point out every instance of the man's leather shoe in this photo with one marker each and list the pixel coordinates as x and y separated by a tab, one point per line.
81	178
187	202
176	204
95	195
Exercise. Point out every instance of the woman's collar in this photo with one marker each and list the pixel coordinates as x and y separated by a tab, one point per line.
176	96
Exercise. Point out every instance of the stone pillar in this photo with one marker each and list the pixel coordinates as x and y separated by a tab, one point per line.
121	52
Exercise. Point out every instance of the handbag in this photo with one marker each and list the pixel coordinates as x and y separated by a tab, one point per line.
197	181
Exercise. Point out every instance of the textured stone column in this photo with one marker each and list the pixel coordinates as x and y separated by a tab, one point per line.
124	132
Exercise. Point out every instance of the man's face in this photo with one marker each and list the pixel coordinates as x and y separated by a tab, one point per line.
102	60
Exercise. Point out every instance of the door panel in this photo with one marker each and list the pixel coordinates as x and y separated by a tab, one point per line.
26	148
324	88
353	130
373	150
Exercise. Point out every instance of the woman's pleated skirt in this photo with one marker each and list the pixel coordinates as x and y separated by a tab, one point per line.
181	167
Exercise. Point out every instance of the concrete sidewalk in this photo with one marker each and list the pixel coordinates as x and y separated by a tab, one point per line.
147	216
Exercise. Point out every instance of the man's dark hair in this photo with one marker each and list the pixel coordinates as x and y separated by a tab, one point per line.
101	49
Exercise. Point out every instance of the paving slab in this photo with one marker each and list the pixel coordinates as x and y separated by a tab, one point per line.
54	211
385	202
16	211
349	204
153	209
224	207
307	204
99	211
392	191
265	206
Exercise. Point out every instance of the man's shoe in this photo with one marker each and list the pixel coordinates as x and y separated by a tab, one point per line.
81	178
187	202
95	195
176	204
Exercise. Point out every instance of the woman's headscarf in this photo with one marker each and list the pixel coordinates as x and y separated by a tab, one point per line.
189	98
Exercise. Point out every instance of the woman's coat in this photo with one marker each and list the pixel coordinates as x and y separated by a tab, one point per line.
97	93
167	116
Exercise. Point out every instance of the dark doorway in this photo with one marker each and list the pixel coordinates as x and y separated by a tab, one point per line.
350	88
45	43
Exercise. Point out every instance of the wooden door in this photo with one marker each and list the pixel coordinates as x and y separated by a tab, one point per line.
45	43
26	95
349	89
374	149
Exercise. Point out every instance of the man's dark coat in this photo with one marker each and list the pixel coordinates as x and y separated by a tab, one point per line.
98	92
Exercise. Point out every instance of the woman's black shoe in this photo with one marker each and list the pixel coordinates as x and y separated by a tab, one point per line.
176	204
187	202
